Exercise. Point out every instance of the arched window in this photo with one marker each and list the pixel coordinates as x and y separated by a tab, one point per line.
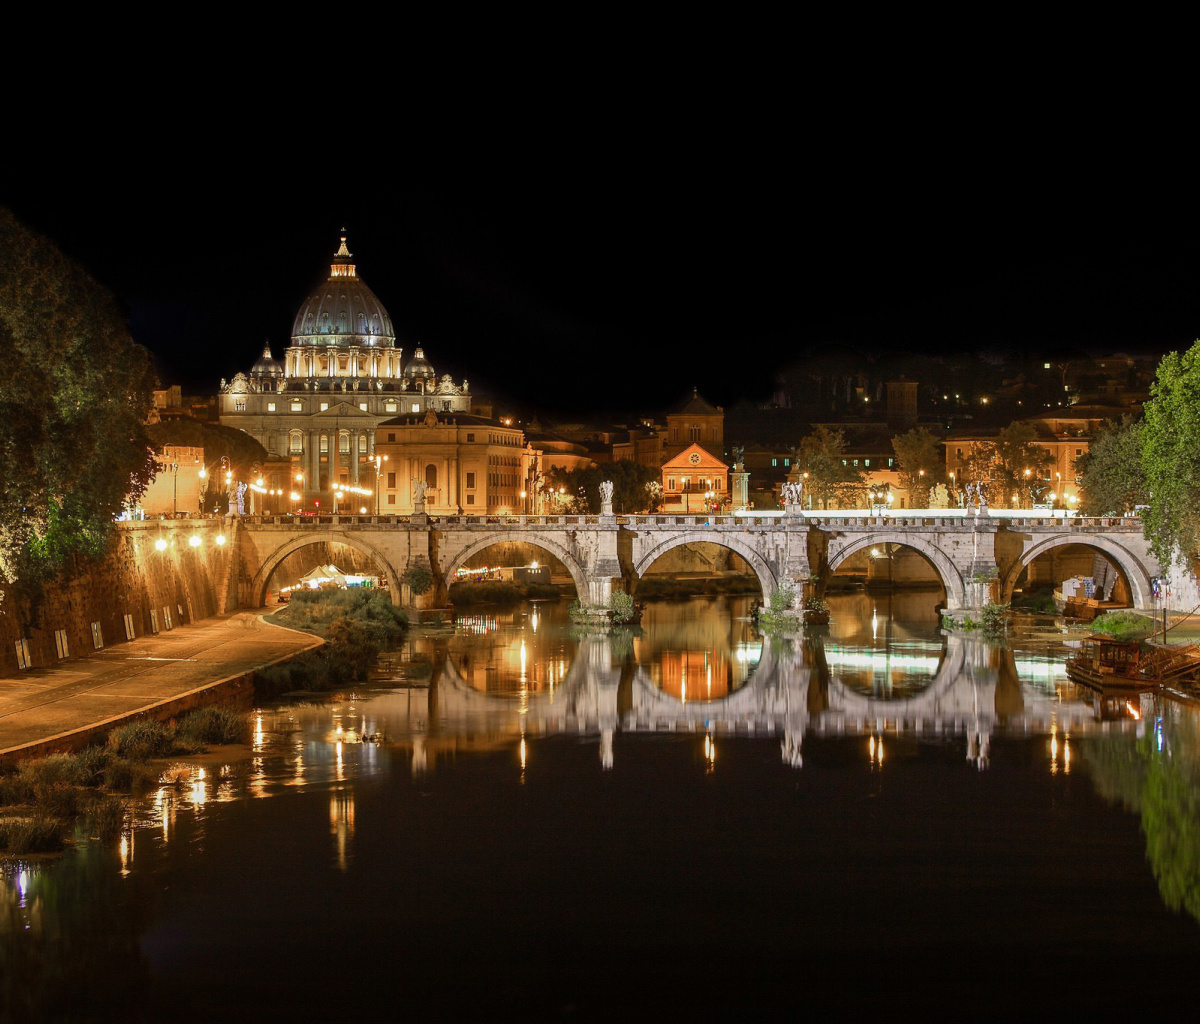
431	475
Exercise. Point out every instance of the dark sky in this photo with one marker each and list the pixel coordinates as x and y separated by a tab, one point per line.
611	257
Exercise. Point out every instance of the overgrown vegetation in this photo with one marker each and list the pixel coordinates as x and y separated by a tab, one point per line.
42	799
993	621
1123	625
418	578
665	588
779	614
357	626
499	592
622	607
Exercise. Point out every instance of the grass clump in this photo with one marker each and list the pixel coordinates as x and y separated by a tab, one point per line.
38	834
140	741
106	818
1124	625
217	723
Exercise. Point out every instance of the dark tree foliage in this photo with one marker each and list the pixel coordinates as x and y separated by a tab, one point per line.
1112	480
1171	457
830	476
74	397
922	462
582	487
218	441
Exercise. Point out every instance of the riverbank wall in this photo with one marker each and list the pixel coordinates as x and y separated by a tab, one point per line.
158	574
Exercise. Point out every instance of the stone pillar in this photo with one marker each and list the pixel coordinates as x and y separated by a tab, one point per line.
740	489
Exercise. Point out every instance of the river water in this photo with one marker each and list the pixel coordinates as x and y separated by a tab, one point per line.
516	821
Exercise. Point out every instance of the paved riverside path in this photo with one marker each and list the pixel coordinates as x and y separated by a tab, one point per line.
47	704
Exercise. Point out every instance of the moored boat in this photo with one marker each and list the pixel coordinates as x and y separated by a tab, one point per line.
1105	662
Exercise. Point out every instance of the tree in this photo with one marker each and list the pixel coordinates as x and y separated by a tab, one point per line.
242	450
828	474
74	398
1020	462
1013	463
1113	480
582	487
922	463
1171	457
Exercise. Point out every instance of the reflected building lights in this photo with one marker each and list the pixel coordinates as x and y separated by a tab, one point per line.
341	824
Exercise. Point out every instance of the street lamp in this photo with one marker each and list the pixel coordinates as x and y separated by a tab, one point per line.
378	460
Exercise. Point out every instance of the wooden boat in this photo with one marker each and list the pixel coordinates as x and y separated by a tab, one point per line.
1104	662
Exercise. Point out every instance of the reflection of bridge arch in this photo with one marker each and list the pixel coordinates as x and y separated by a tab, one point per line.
548	544
1130	565
951	579
258	587
925	704
769	695
767	579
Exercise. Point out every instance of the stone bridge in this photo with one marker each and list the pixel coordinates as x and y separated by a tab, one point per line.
976	558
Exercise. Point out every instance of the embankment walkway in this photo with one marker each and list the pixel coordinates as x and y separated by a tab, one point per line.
63	708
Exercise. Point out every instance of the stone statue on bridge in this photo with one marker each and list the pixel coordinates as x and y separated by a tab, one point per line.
419	489
606	497
792	492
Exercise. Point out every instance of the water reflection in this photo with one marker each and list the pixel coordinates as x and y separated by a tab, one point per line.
835	778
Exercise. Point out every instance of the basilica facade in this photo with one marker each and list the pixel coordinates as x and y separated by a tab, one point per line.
317	410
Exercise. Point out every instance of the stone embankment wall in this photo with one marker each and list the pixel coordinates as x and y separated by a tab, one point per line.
136	585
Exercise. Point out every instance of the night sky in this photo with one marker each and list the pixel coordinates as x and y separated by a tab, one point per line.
609	261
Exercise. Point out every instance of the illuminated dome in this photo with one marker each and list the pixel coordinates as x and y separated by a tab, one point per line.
419	368
267	366
343	311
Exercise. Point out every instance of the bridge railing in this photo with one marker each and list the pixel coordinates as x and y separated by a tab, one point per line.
741	521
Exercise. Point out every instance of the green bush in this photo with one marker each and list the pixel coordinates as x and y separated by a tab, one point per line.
418	578
622	606
995	619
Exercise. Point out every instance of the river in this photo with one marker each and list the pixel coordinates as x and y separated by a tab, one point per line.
513	820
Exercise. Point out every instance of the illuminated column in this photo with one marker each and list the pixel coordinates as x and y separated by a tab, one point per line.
355	455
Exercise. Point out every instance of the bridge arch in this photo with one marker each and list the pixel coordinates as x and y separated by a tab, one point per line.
767	578
1135	572
538	540
951	578
258	585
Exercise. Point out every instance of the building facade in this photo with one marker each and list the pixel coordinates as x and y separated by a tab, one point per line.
469	465
341	376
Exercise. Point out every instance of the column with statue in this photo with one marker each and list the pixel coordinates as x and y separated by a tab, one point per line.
739	480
